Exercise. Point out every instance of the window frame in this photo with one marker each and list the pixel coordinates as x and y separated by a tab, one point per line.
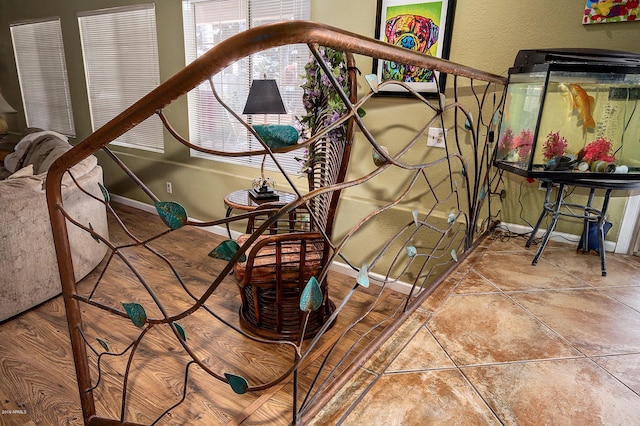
118	73
46	94
233	136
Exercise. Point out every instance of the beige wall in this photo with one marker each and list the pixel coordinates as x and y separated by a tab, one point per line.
486	35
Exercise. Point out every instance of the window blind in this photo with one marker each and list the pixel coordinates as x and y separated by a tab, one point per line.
120	51
42	75
208	22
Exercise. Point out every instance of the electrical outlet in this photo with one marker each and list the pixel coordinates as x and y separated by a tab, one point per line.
436	137
169	188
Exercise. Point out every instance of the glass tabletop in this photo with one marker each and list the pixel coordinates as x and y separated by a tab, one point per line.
242	200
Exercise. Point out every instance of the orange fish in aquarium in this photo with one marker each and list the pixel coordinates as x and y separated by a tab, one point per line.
583	104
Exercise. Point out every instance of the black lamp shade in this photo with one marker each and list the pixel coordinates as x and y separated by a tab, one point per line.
264	98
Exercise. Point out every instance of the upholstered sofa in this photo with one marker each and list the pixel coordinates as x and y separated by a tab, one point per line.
28	266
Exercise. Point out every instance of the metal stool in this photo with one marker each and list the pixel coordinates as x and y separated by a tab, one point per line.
590	213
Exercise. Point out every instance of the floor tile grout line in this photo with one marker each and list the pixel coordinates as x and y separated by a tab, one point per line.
519	305
523	361
475	389
548	326
360	397
601	291
457	367
611	374
377	376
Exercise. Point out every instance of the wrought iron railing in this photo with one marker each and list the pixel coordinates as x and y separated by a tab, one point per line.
446	197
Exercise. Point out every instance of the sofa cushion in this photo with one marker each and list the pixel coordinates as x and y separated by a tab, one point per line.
25	171
264	265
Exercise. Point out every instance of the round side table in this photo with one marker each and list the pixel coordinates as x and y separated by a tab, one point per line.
241	200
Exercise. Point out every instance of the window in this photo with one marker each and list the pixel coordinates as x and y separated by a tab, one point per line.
42	74
208	22
120	52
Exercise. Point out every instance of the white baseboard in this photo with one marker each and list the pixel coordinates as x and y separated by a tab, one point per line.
561	237
377	279
218	230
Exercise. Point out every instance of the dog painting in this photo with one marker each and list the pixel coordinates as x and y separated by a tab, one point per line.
413	32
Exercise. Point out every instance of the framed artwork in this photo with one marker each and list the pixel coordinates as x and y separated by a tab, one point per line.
606	11
422	25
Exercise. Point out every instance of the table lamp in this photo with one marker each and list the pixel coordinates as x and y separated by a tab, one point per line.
5	108
264	98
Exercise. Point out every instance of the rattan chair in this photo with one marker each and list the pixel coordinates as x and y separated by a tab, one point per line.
283	259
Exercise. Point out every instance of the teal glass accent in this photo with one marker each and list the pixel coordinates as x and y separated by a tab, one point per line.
363	276
136	313
483	193
372	81
104	344
311	297
451	218
93	236
171	213
238	383
411	251
378	158
276	135
105	192
467	122
226	250
181	331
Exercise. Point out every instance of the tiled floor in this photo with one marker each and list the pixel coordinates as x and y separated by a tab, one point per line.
504	342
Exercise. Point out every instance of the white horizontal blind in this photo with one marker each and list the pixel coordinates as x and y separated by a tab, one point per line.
42	74
208	22
120	52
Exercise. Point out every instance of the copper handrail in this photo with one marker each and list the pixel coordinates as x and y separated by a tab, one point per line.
212	62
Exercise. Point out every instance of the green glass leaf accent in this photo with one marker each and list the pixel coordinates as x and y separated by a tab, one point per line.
451	218
467	122
277	135
238	383
171	213
226	250
372	81
415	217
136	313
181	332
93	236
411	251
311	297
103	344
483	193
363	276
105	192
454	255
378	159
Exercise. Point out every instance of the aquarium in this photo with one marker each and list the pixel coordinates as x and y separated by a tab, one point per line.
572	119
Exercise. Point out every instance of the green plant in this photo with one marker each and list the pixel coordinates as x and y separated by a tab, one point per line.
322	102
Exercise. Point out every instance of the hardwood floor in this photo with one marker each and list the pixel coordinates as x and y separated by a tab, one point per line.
38	384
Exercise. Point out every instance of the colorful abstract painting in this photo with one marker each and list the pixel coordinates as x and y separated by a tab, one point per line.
414	27
420	25
606	11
